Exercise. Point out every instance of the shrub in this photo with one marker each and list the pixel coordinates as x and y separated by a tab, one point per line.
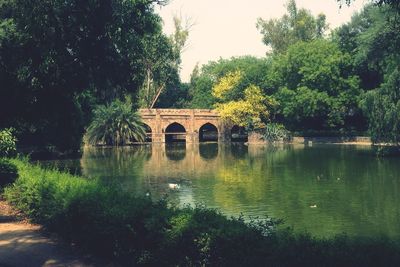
115	124
101	219
112	223
7	143
8	172
275	132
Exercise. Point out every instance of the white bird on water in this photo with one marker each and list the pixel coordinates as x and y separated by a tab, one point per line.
313	206
173	186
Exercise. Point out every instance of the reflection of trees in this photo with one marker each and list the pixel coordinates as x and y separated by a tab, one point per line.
116	165
244	180
354	191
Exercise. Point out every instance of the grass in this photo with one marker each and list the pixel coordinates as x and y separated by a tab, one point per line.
130	230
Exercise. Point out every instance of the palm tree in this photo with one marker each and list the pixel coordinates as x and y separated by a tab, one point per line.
115	124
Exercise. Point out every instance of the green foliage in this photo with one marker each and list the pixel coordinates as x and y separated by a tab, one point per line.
315	91
100	218
297	25
7	143
275	132
8	172
115	124
202	80
250	110
175	95
382	107
395	4
111	223
53	52
200	90
372	36
159	60
162	59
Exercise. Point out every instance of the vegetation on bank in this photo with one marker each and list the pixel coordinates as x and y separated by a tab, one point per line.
108	222
57	66
60	59
343	82
8	142
115	124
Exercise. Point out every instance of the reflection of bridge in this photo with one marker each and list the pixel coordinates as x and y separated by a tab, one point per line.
190	125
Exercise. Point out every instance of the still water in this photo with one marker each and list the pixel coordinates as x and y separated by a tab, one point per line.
322	189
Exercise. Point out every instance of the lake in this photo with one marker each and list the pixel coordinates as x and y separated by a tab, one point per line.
322	189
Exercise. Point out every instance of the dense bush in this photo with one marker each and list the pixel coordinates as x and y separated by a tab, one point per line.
112	223
7	143
116	124
275	132
8	172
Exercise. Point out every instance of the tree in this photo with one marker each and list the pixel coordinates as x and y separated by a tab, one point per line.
163	59
252	70
372	37
382	107
296	25
314	89
160	65
251	111
115	124
393	3
57	58
175	95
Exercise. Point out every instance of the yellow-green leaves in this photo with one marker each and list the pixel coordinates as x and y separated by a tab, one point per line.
250	110
226	84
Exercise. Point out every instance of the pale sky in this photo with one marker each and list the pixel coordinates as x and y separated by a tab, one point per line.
226	28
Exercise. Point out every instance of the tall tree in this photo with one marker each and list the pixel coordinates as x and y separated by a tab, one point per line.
371	38
159	60
56	56
315	90
382	107
163	58
296	25
377	51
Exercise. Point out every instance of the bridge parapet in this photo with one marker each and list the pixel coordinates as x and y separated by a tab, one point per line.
191	120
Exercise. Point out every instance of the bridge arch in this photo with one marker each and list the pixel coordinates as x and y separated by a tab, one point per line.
175	132
208	132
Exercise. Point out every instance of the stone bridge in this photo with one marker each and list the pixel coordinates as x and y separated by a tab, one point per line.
189	125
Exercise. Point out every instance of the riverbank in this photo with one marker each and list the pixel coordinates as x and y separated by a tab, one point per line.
114	225
352	140
257	138
25	244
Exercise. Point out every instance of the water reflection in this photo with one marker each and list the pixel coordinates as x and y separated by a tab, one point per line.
208	151
353	191
175	152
